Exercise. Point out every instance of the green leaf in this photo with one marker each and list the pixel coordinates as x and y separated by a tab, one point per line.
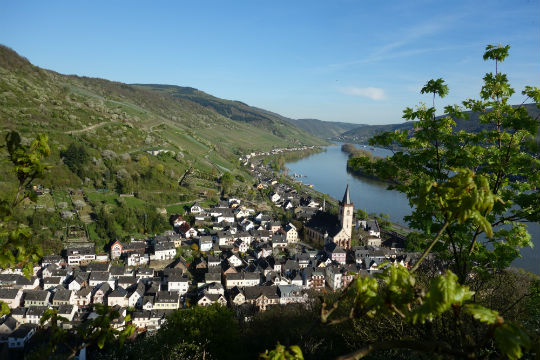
482	314
101	340
511	340
444	292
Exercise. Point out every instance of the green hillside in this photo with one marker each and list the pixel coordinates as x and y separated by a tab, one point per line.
361	134
101	133
235	110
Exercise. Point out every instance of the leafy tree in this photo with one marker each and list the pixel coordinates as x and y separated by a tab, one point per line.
76	157
226	182
96	332
194	333
461	185
361	214
501	159
435	87
17	248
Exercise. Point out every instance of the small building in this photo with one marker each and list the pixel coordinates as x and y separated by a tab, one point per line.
20	337
167	300
36	298
12	297
81	256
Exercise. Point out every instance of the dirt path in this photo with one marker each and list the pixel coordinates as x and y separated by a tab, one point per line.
88	128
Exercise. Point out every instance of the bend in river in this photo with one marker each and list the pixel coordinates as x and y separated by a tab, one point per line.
327	172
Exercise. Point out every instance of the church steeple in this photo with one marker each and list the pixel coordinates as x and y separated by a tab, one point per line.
345	216
346	197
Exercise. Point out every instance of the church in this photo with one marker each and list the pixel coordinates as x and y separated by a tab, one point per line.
326	228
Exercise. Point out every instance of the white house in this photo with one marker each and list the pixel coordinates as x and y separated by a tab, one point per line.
137	259
242	279
205	243
167	300
119	297
234	261
20	337
12	297
291	233
178	283
164	251
274	197
333	277
135	299
247	224
80	256
209	299
196	209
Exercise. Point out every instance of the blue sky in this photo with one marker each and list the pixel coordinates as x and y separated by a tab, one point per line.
353	61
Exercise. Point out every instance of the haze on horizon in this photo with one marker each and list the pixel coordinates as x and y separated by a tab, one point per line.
359	62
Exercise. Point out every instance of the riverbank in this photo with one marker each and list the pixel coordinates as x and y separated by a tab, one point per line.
359	160
328	174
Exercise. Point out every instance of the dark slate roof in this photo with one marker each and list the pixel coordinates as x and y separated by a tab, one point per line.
36	311
21	311
65	309
97	267
35	295
254	292
62	295
99	276
172	271
324	222
81	251
22	331
8	293
10	323
167	297
119	292
346	197
117	270
164	246
105	288
177	278
127	280
84	291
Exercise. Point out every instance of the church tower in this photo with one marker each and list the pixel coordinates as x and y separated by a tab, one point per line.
346	211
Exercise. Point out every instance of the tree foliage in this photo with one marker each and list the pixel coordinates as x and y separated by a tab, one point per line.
470	193
496	167
76	157
16	246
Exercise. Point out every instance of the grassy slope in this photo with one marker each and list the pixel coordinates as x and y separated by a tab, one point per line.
235	110
126	118
103	115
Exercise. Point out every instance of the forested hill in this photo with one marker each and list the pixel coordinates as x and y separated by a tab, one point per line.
324	129
234	110
362	133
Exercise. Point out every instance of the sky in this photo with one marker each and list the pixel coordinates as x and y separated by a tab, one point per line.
352	61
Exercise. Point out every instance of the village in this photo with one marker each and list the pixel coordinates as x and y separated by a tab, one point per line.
230	254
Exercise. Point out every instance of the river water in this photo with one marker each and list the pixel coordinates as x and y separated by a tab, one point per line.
327	172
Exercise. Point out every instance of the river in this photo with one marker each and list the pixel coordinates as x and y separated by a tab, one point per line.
327	172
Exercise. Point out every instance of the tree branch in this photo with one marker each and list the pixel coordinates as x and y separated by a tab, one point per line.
440	347
426	252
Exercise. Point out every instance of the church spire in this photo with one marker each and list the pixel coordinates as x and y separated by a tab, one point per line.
346	197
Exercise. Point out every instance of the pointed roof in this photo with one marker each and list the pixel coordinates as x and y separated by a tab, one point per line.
346	197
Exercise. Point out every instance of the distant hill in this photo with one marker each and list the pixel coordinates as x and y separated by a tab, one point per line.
234	110
363	133
324	129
